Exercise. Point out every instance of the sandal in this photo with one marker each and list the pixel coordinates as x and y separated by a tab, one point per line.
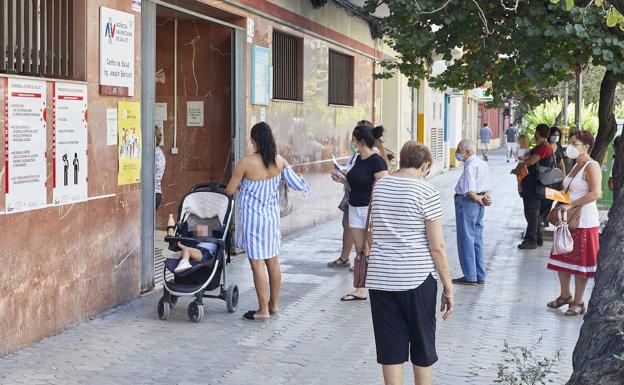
580	306
339	263
353	297
251	316
560	301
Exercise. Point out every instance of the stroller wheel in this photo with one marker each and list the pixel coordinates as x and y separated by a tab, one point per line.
195	311
231	298
164	309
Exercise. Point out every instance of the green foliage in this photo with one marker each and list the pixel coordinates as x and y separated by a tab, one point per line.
548	111
523	367
518	52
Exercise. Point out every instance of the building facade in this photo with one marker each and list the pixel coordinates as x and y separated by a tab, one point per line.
86	87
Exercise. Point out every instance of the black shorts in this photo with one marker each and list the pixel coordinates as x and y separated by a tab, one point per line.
405	323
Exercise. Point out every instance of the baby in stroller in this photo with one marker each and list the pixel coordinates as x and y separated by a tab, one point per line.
202	251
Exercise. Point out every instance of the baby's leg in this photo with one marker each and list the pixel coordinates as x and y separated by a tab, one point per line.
194	254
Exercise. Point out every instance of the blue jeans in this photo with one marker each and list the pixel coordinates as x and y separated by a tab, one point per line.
469	222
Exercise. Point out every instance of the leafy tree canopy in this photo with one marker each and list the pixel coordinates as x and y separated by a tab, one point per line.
518	50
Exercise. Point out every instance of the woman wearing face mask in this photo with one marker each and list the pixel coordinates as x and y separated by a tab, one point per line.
583	183
368	167
407	259
347	240
558	154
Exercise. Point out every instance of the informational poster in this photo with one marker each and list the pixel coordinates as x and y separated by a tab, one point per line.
116	52
111	126
129	139
25	144
136	5
260	75
195	114
70	143
160	111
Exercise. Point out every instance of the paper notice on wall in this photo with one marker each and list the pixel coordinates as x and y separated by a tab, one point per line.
195	114
250	29
116	52
70	143
111	126
136	5
160	111
25	143
129	147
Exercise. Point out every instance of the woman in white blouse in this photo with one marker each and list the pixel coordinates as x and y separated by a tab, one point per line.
406	258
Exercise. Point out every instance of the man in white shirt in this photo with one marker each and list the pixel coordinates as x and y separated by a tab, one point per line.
472	194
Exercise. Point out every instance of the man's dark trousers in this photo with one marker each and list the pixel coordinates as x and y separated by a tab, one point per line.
532	204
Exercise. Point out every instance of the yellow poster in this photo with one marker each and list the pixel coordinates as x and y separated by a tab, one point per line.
129	142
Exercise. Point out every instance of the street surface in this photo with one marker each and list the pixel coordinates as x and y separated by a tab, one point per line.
316	339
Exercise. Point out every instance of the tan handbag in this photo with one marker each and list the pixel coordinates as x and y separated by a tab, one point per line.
574	213
360	264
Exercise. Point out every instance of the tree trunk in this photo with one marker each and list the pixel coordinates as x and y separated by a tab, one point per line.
593	360
559	119
607	126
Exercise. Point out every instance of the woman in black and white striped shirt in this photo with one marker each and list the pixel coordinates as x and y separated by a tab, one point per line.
406	257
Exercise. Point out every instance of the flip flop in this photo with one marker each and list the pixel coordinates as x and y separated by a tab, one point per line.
353	297
251	316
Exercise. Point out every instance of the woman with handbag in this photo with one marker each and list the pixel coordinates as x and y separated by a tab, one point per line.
347	239
259	177
406	259
368	167
583	184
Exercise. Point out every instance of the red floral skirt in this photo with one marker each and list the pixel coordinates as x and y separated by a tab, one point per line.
582	260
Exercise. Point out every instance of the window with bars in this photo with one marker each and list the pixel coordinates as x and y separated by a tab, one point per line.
287	67
37	37
340	78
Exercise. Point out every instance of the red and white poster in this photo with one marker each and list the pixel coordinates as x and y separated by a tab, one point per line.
25	144
70	143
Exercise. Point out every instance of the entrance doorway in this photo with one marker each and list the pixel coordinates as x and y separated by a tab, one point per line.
196	110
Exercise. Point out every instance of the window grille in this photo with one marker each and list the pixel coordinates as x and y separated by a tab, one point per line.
287	67
37	37
340	78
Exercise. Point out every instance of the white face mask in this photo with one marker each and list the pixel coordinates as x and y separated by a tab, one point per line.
572	152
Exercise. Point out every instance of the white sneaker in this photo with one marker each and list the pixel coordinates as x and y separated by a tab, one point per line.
183	265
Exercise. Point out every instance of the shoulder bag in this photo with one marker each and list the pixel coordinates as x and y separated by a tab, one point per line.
574	213
286	206
360	264
550	175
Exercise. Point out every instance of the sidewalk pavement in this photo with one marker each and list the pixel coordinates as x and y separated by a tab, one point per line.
316	339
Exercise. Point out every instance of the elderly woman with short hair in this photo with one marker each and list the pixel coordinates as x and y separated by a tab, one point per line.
406	258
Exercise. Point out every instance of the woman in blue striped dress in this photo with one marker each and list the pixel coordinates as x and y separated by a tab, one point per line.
259	176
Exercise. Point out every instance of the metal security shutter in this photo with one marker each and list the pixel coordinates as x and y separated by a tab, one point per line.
436	144
287	67
340	79
36	37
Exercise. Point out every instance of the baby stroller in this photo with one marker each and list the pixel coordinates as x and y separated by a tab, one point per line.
204	207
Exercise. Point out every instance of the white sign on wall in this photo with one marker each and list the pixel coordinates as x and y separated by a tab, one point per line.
116	52
25	135
70	143
195	114
111	126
